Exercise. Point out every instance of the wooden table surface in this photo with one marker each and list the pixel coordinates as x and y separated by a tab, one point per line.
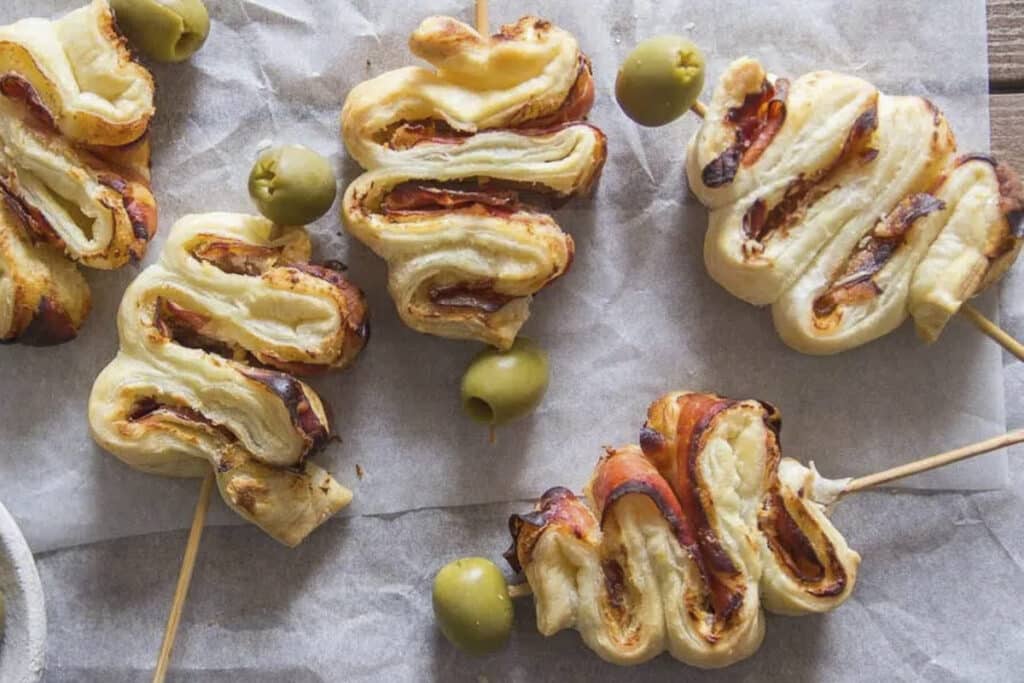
1006	71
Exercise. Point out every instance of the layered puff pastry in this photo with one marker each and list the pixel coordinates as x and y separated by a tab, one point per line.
846	209
679	542
456	156
213	337
74	167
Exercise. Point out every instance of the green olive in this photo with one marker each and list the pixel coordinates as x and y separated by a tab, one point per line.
292	185
472	605
500	386
660	80
164	30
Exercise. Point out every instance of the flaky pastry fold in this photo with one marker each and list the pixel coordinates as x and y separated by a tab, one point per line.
456	157
828	198
74	150
212	339
678	543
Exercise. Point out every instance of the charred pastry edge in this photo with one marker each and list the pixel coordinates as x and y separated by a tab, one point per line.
547	510
50	325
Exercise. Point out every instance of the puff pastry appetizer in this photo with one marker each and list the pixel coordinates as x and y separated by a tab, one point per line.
455	155
679	542
846	209
74	166
212	338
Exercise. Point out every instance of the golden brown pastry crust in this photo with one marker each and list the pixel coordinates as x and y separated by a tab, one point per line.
74	157
212	339
455	156
682	540
43	297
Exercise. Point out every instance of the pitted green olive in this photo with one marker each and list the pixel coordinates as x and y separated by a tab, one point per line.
164	30
500	386
660	80
472	605
292	185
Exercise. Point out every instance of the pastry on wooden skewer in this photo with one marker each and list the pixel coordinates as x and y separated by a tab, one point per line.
451	154
845	209
680	543
74	167
213	338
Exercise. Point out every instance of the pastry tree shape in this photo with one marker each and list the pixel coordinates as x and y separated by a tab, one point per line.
846	209
454	157
213	337
74	167
680	542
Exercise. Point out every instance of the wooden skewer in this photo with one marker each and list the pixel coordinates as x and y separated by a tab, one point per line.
188	563
992	330
522	590
935	461
481	18
986	326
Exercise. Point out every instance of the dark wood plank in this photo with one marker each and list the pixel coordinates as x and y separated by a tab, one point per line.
1006	44
1008	127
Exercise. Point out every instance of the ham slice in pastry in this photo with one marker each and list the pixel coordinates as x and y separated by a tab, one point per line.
832	203
680	542
457	157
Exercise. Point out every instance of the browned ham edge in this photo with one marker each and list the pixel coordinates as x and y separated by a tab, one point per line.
236	257
822	576
480	296
142	215
35	223
759	222
50	325
696	415
855	282
756	122
17	88
418	197
185	328
576	105
150	408
558	506
292	394
789	542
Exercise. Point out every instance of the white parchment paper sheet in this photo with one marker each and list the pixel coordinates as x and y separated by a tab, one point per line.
636	316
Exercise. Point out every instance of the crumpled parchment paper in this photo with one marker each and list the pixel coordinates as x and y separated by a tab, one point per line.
636	316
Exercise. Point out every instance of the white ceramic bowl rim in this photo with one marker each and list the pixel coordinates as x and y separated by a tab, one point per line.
23	644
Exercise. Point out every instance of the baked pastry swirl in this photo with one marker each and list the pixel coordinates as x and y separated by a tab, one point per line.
844	208
680	541
456	155
212	338
74	164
